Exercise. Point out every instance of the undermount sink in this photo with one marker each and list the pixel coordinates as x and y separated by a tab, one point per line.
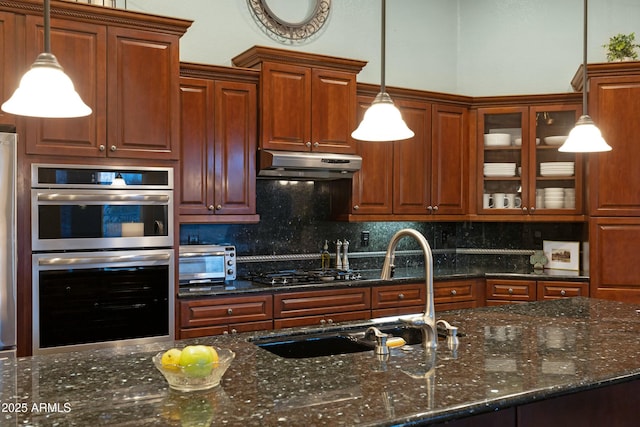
331	343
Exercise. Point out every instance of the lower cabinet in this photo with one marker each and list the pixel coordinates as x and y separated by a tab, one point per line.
322	307
458	294
221	315
505	291
394	300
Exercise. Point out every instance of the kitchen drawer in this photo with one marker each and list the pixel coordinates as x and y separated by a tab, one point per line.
321	320
511	290
318	303
225	311
450	291
398	296
225	329
397	311
558	289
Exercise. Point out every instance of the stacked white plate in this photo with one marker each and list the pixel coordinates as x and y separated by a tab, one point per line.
554	198
499	169
570	198
497	139
557	169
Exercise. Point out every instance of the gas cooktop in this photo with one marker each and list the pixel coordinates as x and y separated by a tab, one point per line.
293	277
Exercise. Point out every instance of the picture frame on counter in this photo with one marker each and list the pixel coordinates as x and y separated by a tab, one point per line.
562	255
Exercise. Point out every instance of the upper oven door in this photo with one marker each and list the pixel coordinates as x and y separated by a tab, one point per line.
66	219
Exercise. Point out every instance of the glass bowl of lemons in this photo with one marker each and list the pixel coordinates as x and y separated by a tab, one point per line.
195	367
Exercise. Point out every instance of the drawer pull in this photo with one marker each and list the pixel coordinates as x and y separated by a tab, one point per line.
330	321
510	291
230	311
234	331
400	296
322	321
563	292
454	292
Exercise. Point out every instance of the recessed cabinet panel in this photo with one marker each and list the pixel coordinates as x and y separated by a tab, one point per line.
614	175
80	49
143	81
412	160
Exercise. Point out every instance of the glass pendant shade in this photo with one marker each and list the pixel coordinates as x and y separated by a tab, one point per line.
382	122
585	137
46	91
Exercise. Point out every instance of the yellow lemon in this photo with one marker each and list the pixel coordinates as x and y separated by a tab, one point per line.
170	359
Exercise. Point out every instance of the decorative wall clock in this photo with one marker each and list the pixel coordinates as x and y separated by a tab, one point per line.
284	31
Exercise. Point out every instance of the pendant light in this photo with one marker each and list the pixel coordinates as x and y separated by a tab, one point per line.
585	137
45	90
382	121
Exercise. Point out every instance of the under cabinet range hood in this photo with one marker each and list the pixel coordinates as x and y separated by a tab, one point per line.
306	165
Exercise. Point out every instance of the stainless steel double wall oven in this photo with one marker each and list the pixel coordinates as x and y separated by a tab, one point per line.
103	259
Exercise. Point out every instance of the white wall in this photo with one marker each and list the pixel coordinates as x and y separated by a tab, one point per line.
470	47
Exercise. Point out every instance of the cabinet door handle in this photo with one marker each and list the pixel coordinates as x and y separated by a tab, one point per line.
322	321
210	207
316	144
234	331
102	147
563	292
533	209
230	311
400	296
430	208
356	207
454	292
329	321
435	208
524	209
113	148
308	144
218	207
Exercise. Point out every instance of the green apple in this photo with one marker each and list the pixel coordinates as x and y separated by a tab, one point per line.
196	360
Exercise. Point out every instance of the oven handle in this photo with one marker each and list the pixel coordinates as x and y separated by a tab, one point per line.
201	254
102	259
47	197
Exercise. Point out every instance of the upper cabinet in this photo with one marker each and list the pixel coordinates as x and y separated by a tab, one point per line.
520	171
422	177
308	102
218	132
614	91
9	78
124	65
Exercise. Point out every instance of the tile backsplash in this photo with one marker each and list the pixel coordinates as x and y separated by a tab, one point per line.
294	219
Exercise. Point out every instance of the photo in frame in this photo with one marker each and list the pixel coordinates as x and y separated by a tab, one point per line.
562	255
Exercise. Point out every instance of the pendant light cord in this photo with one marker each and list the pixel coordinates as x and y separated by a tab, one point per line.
47	25
584	62
383	48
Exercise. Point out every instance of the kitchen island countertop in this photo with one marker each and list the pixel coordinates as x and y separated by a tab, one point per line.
509	356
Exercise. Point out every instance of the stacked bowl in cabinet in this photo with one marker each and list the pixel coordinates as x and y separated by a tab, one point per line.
556	198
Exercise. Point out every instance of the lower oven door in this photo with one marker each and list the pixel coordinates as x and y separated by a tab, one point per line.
87	300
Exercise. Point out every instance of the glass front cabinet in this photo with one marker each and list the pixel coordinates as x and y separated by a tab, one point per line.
520	168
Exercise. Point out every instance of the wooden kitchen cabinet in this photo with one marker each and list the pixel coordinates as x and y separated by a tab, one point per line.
507	291
321	307
393	300
308	102
532	156
458	294
614	90
219	315
9	78
500	291
613	258
125	66
218	144
409	179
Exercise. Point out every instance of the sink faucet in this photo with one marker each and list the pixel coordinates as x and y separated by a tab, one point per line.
426	322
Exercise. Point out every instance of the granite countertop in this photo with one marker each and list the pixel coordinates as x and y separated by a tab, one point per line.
372	278
510	355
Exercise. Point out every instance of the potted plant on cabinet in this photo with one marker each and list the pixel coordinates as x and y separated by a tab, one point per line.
622	47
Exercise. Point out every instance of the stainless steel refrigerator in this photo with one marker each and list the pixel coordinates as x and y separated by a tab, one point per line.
8	254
